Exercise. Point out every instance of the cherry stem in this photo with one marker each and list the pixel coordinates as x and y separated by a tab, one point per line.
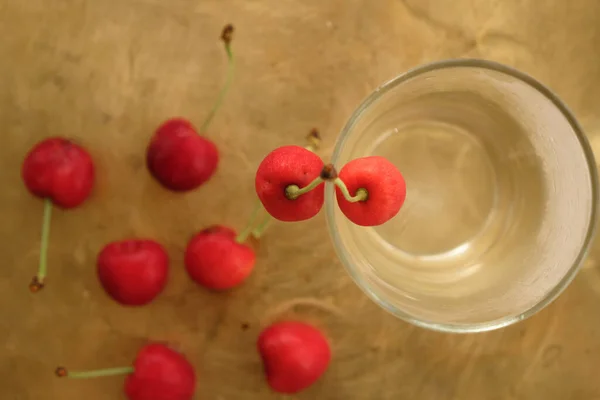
38	281
361	194
62	372
313	140
243	236
328	174
260	229
292	192
226	36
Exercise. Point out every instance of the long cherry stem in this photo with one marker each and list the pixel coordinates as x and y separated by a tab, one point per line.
226	36
62	372
37	282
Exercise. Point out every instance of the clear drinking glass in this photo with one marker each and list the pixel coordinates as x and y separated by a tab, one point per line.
501	196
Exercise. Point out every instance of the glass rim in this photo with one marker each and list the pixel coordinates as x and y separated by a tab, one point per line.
552	294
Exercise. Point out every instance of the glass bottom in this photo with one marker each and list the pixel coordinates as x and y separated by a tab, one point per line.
472	179
452	189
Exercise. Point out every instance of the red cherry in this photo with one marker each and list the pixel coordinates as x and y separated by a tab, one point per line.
215	260
285	166
133	272
295	355
160	374
179	158
385	186
60	170
63	173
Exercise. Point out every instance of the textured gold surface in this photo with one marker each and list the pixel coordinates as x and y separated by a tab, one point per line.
108	72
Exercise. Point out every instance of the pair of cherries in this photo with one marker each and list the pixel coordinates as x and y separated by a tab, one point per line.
290	184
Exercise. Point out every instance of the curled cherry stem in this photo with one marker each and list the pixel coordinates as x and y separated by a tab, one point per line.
328	174
361	194
292	192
